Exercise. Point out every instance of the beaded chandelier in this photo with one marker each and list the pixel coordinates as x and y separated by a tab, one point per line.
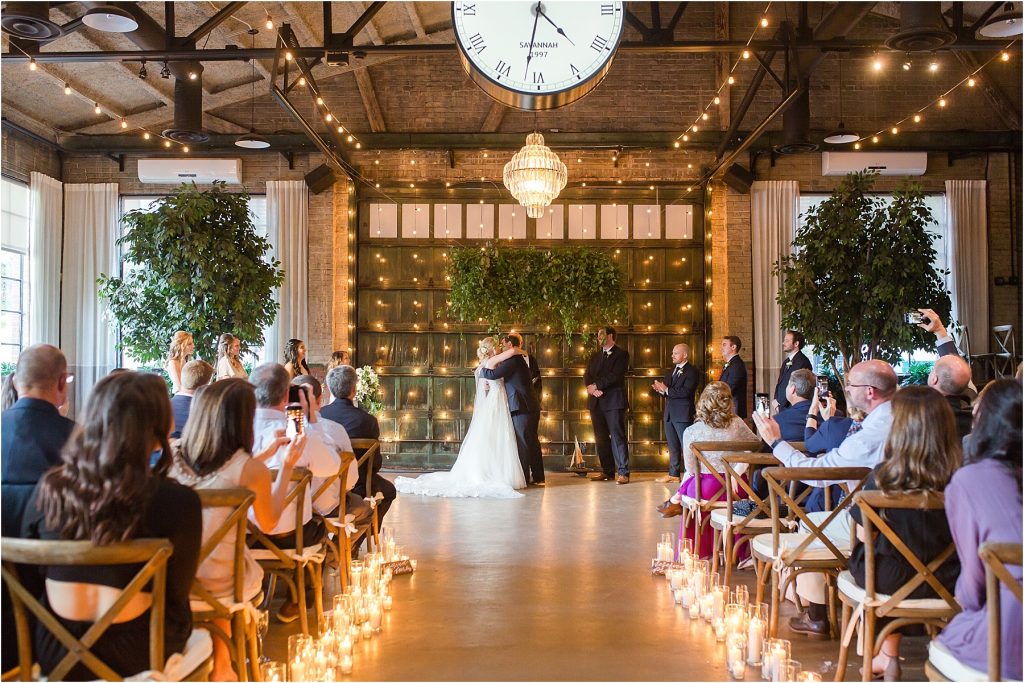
535	175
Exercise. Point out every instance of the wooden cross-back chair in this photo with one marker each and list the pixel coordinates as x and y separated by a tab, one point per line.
996	556
242	642
801	552
370	448
151	579
866	605
1004	356
338	525
697	510
728	525
292	564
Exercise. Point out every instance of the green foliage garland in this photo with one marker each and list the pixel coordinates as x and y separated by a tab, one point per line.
195	264
565	287
857	267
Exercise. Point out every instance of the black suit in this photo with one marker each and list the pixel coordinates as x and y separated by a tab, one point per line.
607	370
33	435
679	411
361	425
798	362
524	406
735	375
793	420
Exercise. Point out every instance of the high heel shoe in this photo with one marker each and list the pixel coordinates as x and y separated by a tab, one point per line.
892	671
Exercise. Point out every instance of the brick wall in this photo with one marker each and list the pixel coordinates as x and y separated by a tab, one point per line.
22	155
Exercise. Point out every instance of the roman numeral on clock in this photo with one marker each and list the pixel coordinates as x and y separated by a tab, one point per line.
470	10
503	69
575	71
599	44
607	10
538	77
477	41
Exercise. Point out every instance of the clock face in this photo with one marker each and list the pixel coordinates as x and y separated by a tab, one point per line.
537	55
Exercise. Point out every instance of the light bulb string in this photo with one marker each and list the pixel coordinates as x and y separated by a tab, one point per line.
732	70
933	102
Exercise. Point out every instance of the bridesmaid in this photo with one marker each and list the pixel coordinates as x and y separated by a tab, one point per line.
228	365
180	353
295	358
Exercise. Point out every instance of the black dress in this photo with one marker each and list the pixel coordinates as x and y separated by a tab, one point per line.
171	511
925	532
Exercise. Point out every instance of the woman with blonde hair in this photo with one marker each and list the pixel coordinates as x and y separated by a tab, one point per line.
295	359
228	364
180	353
716	421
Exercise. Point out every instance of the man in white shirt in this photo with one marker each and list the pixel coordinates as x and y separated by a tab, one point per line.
870	388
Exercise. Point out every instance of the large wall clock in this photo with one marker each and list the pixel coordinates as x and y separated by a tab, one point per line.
537	55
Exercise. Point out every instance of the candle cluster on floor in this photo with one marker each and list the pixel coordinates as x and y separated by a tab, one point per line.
740	625
357	614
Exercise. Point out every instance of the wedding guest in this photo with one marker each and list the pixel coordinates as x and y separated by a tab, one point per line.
792	346
605	379
735	373
180	353
679	387
716	421
195	375
920	455
104	491
33	433
359	424
270	381
295	358
215	452
983	504
228	364
8	393
950	376
944	345
796	403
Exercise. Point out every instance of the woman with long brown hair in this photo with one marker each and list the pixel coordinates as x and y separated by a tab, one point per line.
295	358
104	491
215	452
921	454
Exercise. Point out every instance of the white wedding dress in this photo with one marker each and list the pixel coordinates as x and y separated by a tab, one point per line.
488	464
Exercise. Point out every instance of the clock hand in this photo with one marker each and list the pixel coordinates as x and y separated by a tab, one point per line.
533	35
557	27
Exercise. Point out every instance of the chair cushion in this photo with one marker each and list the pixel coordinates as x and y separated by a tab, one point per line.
848	587
719	518
180	665
949	666
816	550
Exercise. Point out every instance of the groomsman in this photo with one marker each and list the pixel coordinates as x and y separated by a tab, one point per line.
735	373
792	346
680	390
606	387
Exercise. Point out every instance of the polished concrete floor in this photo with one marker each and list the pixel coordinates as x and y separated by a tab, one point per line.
552	586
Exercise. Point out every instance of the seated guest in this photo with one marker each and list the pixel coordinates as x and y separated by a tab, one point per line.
228	363
824	430
945	346
983	504
33	434
179	353
950	376
8	392
271	383
359	424
295	358
104	491
195	374
799	392
215	452
921	454
716	421
335	435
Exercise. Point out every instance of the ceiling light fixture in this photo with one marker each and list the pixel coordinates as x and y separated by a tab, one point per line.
841	136
142	71
1004	24
535	175
110	19
252	139
165	72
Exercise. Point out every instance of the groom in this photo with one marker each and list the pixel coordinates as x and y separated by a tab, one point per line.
523	404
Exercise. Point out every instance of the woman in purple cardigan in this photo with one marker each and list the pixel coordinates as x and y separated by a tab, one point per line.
983	503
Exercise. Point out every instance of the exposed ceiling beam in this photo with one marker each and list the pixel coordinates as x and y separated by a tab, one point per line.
1001	104
30	122
414	18
84	93
213	22
493	119
369	96
364	20
219	124
680	8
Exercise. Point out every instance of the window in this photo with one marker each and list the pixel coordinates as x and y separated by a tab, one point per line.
258	206
14	270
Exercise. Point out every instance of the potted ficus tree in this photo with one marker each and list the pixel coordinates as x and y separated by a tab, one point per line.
196	263
859	265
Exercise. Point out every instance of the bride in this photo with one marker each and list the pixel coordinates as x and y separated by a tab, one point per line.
488	464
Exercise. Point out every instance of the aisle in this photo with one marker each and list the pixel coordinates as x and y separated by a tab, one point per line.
547	587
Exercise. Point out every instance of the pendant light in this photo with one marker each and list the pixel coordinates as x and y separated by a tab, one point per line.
1004	24
110	19
841	136
252	139
535	175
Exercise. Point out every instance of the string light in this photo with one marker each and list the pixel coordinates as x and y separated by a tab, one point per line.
917	118
96	108
942	101
192	75
124	123
146	135
302	80
764	22
933	66
67	89
1005	56
730	80
746	54
32	65
167	143
185	149
288	56
971	82
877	63
270	23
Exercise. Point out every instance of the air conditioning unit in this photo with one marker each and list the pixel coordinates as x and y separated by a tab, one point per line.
886	163
174	171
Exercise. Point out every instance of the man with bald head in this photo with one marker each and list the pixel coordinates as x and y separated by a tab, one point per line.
950	376
34	432
679	387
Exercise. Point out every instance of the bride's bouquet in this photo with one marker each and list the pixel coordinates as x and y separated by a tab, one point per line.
368	393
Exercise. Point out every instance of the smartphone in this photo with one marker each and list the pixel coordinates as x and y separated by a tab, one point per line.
915	318
762	404
823	389
296	420
293	393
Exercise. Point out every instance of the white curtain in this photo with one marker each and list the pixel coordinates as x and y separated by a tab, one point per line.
288	231
90	233
774	211
967	249
46	221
